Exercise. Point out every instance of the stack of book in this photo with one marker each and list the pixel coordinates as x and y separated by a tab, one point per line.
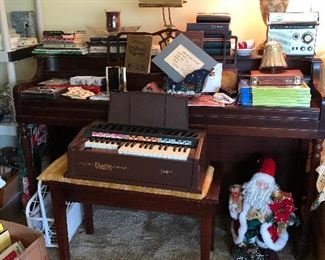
285	89
58	42
8	248
99	45
245	93
217	33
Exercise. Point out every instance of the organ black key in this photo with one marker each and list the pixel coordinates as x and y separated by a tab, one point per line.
186	138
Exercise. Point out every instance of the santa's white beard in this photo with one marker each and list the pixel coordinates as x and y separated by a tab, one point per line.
258	198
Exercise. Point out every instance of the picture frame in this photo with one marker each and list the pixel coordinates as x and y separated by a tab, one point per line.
181	57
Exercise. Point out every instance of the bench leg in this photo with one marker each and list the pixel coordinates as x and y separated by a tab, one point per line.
207	219
60	218
88	218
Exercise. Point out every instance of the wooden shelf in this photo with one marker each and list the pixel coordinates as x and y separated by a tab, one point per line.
18	54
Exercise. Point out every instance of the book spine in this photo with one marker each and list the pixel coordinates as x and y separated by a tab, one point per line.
216	44
215	51
222	28
213	18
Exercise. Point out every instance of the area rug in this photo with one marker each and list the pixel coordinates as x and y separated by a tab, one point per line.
125	234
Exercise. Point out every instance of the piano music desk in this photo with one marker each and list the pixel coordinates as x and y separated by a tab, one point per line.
96	192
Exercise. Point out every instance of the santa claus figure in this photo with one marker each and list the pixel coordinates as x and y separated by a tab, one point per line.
260	211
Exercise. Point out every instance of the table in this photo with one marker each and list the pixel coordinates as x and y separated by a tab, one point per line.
201	206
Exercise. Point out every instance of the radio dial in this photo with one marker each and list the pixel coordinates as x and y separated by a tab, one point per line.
307	37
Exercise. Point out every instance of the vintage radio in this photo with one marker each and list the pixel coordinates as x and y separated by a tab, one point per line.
286	77
295	31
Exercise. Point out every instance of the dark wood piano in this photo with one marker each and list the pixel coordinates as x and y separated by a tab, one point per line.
236	136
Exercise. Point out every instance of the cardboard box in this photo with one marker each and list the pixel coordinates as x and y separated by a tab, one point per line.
32	240
9	190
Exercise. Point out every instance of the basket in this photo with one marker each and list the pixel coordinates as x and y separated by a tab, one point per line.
39	215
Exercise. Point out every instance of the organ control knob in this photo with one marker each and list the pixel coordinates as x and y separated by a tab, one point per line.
307	37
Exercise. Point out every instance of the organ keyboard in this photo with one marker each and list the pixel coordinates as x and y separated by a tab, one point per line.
146	141
155	157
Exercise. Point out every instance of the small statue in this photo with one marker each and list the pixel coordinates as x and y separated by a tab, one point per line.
261	212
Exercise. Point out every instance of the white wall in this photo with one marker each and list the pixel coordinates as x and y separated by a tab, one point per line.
246	21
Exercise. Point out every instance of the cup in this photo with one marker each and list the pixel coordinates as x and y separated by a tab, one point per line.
113	20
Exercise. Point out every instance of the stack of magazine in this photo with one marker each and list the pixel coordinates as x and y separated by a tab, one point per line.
59	42
286	96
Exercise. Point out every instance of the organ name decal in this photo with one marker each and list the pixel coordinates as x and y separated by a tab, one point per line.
104	166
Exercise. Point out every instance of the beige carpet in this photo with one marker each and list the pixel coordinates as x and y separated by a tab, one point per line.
123	234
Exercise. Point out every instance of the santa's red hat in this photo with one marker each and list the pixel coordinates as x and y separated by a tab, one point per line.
267	166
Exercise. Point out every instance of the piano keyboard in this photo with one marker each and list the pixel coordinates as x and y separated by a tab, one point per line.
144	134
145	149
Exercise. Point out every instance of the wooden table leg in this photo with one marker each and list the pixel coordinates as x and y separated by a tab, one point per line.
213	212
60	219
206	230
88	218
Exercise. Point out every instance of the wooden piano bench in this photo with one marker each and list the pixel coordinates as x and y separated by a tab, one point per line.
94	192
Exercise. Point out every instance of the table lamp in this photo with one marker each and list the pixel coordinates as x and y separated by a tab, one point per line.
163	4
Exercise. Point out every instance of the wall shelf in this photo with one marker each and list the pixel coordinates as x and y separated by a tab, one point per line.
18	54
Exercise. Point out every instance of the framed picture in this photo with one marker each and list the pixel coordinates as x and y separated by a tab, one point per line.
181	57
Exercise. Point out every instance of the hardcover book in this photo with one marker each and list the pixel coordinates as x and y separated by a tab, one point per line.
195	36
213	18
138	54
5	240
13	251
222	28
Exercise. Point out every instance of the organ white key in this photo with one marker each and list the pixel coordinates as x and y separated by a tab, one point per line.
101	143
154	150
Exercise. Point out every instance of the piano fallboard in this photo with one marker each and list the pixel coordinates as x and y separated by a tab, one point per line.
110	166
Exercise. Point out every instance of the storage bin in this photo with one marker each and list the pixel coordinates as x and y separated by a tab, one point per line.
39	215
32	240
